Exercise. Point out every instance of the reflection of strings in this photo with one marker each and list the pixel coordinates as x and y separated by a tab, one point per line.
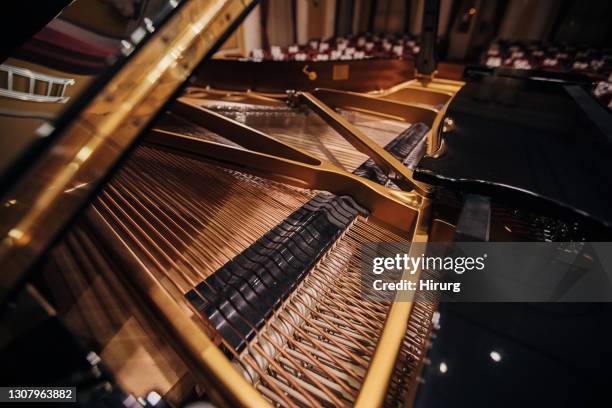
105	315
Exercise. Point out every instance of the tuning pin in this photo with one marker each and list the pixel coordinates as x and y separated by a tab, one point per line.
449	124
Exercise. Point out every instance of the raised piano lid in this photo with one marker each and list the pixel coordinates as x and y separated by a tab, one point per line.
58	69
56	72
546	142
74	98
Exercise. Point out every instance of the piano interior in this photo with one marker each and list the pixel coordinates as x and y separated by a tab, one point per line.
268	269
214	250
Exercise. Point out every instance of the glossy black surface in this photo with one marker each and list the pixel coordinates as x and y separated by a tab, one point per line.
474	71
13	35
526	140
519	355
516	354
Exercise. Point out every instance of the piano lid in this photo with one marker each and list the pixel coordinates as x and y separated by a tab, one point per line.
520	139
60	67
74	99
54	74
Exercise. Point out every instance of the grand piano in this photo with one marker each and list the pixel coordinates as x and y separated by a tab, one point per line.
173	237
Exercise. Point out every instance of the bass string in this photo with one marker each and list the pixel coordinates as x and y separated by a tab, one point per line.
329	329
188	218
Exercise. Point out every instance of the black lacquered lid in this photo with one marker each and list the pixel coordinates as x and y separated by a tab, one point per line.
537	141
